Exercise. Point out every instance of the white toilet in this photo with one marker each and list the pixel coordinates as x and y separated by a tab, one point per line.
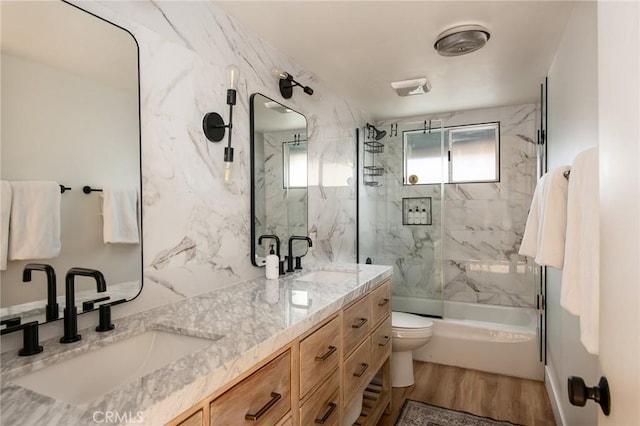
409	332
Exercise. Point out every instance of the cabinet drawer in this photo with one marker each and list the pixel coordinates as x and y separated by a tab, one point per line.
262	398
196	419
319	355
380	303
323	406
356	323
357	370
381	343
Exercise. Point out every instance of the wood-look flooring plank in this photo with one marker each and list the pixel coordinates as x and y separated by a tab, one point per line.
500	397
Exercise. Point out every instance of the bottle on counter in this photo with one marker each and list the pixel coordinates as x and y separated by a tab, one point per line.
423	216
271	267
410	217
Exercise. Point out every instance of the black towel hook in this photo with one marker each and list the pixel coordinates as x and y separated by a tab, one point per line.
88	190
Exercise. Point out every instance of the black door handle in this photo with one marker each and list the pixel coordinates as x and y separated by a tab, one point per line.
579	393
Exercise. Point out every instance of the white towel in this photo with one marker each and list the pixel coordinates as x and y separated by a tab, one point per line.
544	234
580	291
34	228
5	212
120	216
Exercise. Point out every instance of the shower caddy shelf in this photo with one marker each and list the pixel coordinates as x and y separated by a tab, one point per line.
372	171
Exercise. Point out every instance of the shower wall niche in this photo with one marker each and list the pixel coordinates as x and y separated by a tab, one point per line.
469	253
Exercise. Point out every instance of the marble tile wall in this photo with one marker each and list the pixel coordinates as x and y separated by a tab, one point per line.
473	243
192	221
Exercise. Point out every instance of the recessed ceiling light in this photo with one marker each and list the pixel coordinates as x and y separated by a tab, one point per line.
416	86
461	40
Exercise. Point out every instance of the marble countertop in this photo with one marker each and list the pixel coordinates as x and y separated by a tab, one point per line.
250	320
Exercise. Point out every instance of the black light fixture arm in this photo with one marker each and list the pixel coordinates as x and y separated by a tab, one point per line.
213	123
287	83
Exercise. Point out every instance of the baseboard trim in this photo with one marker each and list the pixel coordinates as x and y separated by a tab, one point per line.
553	391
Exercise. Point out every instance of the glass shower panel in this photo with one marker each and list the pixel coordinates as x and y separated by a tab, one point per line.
423	157
386	235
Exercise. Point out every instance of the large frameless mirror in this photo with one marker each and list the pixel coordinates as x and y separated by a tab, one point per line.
70	115
278	175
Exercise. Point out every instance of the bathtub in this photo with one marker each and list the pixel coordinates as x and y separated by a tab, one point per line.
496	339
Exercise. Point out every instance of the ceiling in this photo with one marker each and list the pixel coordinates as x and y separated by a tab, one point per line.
358	48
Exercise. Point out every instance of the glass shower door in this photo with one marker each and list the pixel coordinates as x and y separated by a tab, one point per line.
400	211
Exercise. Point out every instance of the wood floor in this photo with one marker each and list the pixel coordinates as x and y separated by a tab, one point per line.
516	400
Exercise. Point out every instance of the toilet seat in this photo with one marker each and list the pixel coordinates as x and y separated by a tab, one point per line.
405	325
409	321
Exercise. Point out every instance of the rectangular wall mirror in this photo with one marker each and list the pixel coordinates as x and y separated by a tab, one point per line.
70	114
278	175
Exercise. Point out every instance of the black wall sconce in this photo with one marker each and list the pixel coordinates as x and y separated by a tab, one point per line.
213	124
287	83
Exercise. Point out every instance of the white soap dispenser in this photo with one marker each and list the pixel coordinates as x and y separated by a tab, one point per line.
410	217
271	268
423	216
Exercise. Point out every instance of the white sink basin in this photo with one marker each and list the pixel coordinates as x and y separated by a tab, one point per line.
88	376
329	277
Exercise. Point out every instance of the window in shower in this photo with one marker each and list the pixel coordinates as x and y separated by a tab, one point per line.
294	164
470	154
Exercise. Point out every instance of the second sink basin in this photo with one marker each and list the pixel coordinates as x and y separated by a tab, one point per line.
328	277
88	376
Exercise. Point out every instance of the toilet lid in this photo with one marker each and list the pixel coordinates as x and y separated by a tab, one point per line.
404	320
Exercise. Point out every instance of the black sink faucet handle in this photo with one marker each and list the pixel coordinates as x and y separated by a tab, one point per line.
105	318
30	344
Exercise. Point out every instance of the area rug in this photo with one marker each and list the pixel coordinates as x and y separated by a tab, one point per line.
416	413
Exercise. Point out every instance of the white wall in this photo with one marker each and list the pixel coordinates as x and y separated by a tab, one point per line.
619	113
572	128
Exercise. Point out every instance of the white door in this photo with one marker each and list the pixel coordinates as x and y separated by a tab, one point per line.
618	75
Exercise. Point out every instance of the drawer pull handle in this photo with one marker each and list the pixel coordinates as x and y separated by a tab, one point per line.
326	355
384	302
275	397
328	414
387	339
362	370
360	323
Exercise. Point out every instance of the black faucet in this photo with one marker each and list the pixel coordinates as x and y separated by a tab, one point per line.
271	237
52	312
70	310
30	344
290	257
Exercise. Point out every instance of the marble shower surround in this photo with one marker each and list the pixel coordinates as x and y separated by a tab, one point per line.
482	223
287	207
191	219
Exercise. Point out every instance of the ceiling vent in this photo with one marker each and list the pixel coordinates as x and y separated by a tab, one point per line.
416	86
461	40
